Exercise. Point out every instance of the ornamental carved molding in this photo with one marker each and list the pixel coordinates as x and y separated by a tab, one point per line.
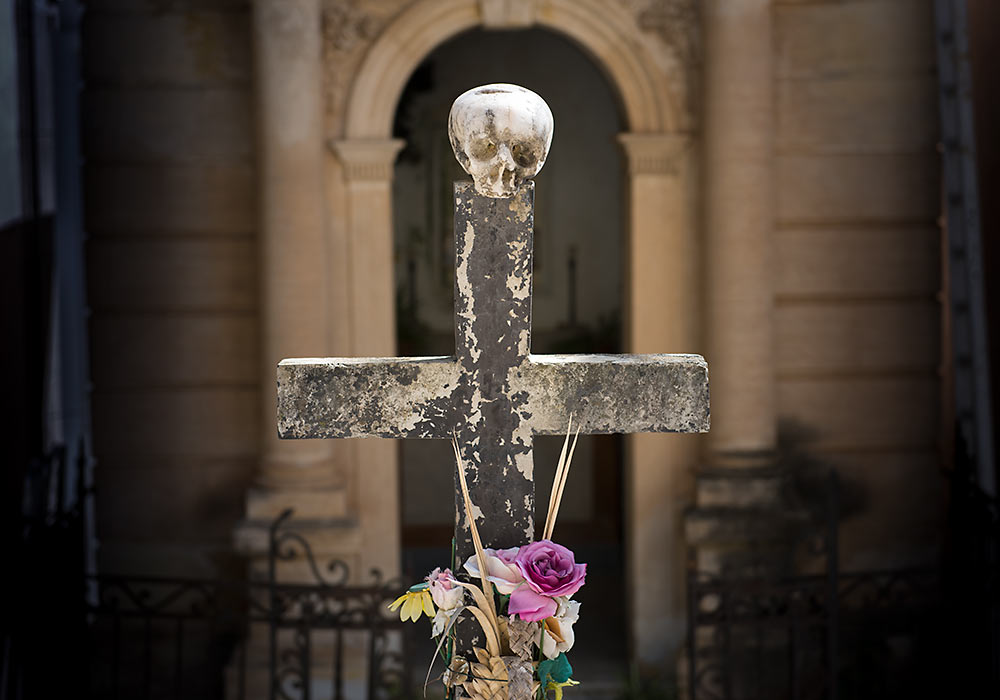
349	27
345	24
655	154
670	28
674	23
367	160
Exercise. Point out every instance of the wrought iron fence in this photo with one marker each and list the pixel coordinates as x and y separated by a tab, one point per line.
174	638
110	637
911	633
800	638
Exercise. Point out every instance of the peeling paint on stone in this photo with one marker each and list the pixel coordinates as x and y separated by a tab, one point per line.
521	211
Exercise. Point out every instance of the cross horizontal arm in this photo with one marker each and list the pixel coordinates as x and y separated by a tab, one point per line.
615	393
393	397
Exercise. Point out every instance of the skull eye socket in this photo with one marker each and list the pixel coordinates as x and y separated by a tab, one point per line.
482	149
523	156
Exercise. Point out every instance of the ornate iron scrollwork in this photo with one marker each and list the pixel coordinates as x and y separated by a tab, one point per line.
331	602
181	637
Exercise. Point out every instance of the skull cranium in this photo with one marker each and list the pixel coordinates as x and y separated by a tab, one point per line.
501	135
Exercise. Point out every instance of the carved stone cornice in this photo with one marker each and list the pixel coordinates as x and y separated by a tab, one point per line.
367	160
676	23
346	24
654	154
348	27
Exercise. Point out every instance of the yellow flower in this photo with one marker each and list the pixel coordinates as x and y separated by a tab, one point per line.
414	603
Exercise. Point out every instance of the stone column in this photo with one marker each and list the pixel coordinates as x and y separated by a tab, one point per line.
739	513
367	166
662	310
739	218
293	301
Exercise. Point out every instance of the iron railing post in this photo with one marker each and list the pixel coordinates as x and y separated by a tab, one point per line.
272	611
832	573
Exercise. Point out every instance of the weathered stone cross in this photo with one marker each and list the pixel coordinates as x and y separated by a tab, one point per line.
493	393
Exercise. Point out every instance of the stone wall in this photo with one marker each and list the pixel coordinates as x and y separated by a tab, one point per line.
170	206
857	316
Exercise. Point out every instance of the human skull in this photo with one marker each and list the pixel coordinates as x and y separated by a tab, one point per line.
501	135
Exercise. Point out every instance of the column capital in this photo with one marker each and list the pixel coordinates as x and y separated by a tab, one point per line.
368	160
654	154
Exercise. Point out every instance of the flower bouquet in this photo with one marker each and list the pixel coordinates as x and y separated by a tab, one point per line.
524	605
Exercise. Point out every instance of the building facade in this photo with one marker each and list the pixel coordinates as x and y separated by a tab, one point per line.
778	188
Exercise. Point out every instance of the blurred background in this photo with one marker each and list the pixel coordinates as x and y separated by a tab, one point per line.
799	190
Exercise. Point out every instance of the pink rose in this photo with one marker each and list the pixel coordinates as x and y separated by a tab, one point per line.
549	570
446	594
501	570
530	606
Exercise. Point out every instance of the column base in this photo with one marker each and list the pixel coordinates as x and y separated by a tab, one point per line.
320	516
745	521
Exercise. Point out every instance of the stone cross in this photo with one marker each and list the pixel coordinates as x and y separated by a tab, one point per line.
493	393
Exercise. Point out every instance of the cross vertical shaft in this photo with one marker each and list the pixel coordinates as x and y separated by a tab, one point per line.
493	245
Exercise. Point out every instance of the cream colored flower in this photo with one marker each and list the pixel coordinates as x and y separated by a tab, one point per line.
502	572
447	594
558	636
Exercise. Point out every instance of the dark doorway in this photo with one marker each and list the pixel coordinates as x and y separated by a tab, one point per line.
577	296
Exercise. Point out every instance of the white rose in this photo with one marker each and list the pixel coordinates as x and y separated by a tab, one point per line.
502	572
566	616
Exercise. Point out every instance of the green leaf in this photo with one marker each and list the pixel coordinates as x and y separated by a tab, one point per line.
555	670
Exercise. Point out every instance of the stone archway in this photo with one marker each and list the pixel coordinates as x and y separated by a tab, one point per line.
662	260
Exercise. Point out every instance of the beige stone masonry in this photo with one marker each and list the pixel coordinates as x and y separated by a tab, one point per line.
886	413
890	187
204	349
205	126
187	274
898	262
200	421
293	275
663	255
878	336
739	218
367	165
191	198
196	48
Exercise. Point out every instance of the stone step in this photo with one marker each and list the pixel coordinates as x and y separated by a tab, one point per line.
723	525
321	516
740	488
329	503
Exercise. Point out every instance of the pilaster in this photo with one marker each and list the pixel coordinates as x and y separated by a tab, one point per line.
367	166
294	299
286	39
663	262
739	222
743	514
293	273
